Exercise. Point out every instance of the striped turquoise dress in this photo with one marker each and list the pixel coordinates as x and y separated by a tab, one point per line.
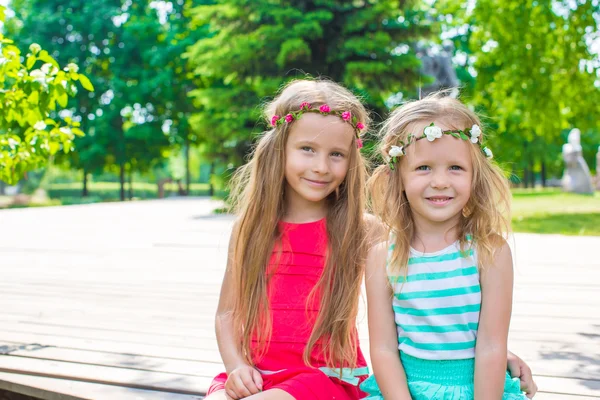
436	307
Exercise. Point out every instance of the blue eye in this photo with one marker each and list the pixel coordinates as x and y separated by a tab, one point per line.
456	168
423	168
306	148
337	154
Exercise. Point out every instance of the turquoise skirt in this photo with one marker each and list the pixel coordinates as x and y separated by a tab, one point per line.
441	380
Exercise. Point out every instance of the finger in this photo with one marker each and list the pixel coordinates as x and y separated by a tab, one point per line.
533	391
248	381
514	369
240	387
231	394
257	379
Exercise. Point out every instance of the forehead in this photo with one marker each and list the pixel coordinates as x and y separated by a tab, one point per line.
322	129
442	150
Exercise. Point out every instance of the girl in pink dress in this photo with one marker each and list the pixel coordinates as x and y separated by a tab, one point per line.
287	313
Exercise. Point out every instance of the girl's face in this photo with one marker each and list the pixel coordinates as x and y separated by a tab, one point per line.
317	156
437	177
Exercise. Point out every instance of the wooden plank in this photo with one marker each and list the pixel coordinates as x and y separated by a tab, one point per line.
147	380
154	350
562	396
559	385
61	389
142	363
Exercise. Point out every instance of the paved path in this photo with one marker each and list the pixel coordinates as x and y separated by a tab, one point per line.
116	301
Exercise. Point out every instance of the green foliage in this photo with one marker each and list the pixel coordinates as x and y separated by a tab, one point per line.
31	95
531	72
133	57
251	48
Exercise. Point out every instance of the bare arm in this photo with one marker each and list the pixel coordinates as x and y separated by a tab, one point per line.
229	343
243	380
383	336
494	320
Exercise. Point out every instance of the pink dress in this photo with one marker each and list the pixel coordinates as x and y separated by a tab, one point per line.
296	270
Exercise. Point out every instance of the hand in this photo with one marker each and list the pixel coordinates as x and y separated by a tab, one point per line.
518	369
242	382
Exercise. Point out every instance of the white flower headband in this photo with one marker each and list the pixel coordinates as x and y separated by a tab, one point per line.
433	132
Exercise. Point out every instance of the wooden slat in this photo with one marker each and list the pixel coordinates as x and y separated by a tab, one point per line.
148	380
62	389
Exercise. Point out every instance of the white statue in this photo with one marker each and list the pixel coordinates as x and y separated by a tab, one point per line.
576	177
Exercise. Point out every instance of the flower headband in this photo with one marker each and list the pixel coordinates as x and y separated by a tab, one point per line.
305	107
433	132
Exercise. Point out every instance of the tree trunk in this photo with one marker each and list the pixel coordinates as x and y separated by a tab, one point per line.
130	176
531	173
211	188
122	181
187	166
2	185
84	191
526	177
543	173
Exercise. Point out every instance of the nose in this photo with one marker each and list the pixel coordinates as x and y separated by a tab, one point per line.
439	180
320	164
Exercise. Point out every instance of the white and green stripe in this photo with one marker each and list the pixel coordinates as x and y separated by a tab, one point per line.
437	304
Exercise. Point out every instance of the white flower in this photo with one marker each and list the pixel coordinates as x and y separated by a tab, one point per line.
38	75
488	152
72	67
475	133
433	132
35	48
396	151
12	143
39	126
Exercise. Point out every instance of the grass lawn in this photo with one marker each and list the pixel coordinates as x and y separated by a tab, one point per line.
552	211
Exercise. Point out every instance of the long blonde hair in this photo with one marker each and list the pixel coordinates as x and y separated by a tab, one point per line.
486	216
258	196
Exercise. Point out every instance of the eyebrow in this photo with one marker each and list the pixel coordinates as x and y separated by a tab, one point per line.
315	144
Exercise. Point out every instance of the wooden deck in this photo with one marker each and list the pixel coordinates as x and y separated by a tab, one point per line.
116	301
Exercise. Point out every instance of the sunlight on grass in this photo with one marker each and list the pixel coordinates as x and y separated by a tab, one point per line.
552	211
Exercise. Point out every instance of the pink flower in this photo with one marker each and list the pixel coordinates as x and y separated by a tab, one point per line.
359	144
360	126
305	105
275	119
346	115
324	108
289	118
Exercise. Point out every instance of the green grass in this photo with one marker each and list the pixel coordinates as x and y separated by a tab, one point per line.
552	211
70	193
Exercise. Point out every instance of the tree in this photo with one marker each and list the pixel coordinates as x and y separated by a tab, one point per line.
534	74
128	49
31	96
252	48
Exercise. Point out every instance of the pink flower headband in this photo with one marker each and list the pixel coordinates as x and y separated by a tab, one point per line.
305	107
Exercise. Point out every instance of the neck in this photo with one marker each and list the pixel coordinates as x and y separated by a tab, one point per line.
431	236
300	210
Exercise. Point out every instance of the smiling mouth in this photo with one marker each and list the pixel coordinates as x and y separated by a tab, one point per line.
321	183
439	199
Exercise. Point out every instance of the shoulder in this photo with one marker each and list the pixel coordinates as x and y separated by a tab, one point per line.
375	229
377	257
501	261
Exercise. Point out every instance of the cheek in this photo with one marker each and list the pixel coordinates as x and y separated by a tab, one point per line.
340	168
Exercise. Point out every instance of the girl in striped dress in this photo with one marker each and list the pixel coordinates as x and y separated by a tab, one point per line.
446	267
